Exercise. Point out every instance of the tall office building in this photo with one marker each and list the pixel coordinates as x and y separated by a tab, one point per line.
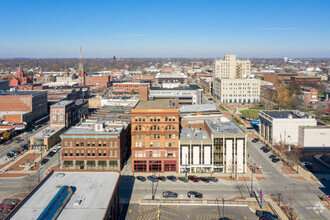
231	68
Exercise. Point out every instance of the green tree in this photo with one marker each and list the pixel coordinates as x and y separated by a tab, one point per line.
6	135
132	91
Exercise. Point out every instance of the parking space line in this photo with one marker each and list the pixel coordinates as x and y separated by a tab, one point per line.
149	216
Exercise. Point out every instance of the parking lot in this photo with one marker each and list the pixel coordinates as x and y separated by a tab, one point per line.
193	212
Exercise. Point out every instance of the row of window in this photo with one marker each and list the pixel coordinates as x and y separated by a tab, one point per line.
91	143
154	128
81	153
154	144
142	154
155	119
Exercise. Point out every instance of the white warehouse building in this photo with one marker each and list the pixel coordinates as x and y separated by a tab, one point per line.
314	137
281	127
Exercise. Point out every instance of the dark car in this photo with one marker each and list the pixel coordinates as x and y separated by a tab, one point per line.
205	179
10	155
263	148
272	156
162	178
25	147
183	179
44	161
194	193
261	213
50	154
12	201
255	140
7	205
172	178
276	160
169	194
17	141
193	178
213	179
141	178
15	152
266	150
152	178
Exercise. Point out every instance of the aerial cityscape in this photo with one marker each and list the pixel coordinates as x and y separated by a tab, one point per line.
145	110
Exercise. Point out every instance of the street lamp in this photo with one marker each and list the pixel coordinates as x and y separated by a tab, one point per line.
223	208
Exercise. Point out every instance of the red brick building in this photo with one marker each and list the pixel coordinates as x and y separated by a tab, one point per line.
20	78
97	145
128	87
98	81
155	136
310	95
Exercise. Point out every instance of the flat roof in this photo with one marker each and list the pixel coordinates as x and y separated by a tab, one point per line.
47	132
198	108
95	189
285	114
63	103
218	126
185	87
195	134
157	103
2	113
22	92
87	129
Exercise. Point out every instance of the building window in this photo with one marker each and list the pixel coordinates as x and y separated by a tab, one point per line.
88	153
71	153
104	143
82	153
93	153
93	143
104	153
81	144
170	128
113	164
140	166
77	143
65	143
154	128
111	144
100	153
102	164
65	153
70	143
115	153
77	153
155	166
139	128
116	144
100	143
111	153
88	143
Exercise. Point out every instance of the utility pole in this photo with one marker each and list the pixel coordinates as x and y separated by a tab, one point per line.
152	190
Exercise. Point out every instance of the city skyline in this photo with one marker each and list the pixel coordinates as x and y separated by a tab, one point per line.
253	29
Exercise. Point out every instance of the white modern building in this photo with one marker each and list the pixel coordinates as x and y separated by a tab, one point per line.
281	127
231	68
237	90
192	94
219	147
314	137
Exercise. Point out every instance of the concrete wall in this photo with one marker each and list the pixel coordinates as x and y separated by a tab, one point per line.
314	137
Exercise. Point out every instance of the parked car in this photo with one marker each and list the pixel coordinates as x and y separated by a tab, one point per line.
25	147
205	179
162	178
152	178
266	150
141	178
169	194
306	164
213	179
10	155
194	193
5	205
13	201
193	178
183	179
276	160
15	152
44	161
172	178
255	140
261	213
17	141
263	148
50	154
272	156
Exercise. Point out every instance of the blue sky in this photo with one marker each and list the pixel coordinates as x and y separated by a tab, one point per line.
164	28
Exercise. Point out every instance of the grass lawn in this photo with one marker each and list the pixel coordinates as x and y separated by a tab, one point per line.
251	113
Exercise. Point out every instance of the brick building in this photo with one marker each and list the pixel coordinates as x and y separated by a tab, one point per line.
20	78
128	87
276	78
23	106
32	86
306	80
95	145
310	94
155	136
98	81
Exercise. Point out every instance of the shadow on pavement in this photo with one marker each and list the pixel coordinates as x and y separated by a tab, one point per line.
125	191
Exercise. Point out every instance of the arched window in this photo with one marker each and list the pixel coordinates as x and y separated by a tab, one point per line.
170	128
154	128
139	128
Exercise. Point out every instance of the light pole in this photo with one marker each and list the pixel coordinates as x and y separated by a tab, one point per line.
186	165
223	208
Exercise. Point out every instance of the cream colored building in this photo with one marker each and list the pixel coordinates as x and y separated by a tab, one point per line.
237	90
231	68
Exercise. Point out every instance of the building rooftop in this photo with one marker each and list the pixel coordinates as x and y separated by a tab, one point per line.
171	75
63	103
221	127
86	128
193	134
286	114
22	92
157	103
94	189
198	108
183	87
47	132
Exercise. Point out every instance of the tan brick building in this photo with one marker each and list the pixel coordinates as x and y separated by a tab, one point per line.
155	136
128	87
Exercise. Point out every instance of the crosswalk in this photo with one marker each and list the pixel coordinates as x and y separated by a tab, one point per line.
305	203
